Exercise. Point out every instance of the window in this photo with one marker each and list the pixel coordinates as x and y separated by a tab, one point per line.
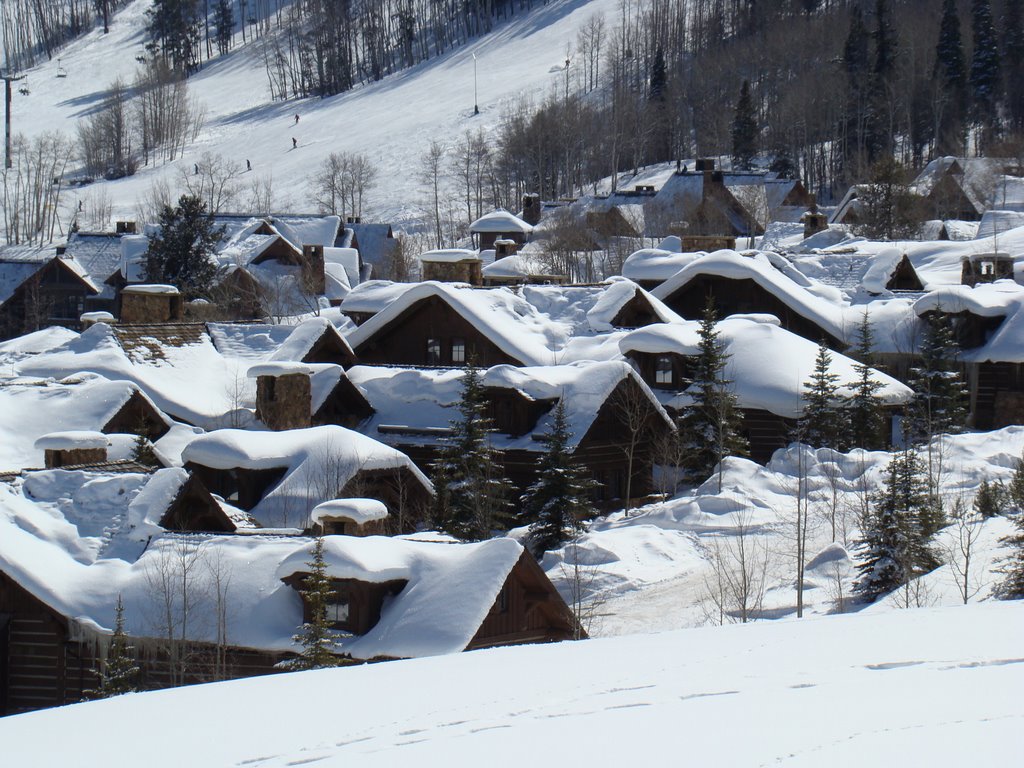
458	350
433	351
663	370
337	611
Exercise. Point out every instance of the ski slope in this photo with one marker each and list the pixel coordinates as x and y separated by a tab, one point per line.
936	687
392	121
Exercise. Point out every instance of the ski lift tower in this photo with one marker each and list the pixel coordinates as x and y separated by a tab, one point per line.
8	79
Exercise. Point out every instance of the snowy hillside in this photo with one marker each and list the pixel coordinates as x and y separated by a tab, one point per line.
392	121
936	687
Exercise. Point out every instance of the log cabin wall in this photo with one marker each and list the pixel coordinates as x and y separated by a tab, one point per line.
404	341
997	394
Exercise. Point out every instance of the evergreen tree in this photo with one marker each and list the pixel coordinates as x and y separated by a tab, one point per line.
710	424
119	673
142	451
821	423
895	533
991	499
940	394
1013	62
659	76
1012	585
878	132
1016	489
181	253
744	130
472	491
985	71
951	83
864	416
174	32
315	635
560	497
856	64
224	25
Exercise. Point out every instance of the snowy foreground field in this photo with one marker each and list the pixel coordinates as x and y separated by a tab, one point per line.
936	687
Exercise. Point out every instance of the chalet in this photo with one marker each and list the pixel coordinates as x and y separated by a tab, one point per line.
499	225
30	408
369	298
301	395
376	244
279	477
436	324
650	267
767	366
393	598
956	188
588	310
989	324
39	289
763	283
614	417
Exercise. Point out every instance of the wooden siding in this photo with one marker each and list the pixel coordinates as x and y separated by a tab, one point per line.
137	416
54	295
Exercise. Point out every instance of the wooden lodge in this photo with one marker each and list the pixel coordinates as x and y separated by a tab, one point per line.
46	293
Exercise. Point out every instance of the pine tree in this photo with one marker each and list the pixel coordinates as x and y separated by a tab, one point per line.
991	499
119	673
224	25
659	76
315	635
985	71
1016	489
472	491
710	424
821	423
878	134
895	533
744	130
940	394
181	252
856	63
864	415
1012	585
951	76
1013	62
173	29
559	499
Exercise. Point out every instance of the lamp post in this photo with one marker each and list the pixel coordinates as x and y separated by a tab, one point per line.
8	79
476	103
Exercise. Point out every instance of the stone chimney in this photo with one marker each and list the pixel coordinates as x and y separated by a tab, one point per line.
814	221
503	248
313	269
284	396
63	449
126	228
89	319
986	268
531	209
151	304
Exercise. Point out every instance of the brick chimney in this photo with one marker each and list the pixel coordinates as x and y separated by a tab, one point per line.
284	398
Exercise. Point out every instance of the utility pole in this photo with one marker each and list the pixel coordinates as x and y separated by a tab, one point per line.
476	101
8	79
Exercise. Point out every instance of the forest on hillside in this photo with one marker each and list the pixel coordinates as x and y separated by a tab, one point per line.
824	89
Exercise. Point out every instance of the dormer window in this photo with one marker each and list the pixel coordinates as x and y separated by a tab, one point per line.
663	371
433	351
458	351
338	611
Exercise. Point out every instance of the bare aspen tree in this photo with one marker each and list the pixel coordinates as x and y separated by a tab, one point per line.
735	587
586	598
214	180
431	175
176	589
31	191
219	575
961	550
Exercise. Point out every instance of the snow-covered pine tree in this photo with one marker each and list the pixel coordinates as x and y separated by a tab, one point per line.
864	416
224	25
986	72
119	673
821	424
180	253
940	393
559	499
1012	585
1016	489
744	130
315	635
710	424
472	491
895	533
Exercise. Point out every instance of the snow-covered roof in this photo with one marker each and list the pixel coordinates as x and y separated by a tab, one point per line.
767	365
519	265
655	263
71	440
589	309
1003	298
307	456
347	259
373	295
449	256
500	221
359	511
77	556
502	316
101	255
14	273
31	408
301	340
155	289
773	274
279	369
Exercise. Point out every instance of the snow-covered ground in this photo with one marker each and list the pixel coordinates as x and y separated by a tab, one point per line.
937	687
392	121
